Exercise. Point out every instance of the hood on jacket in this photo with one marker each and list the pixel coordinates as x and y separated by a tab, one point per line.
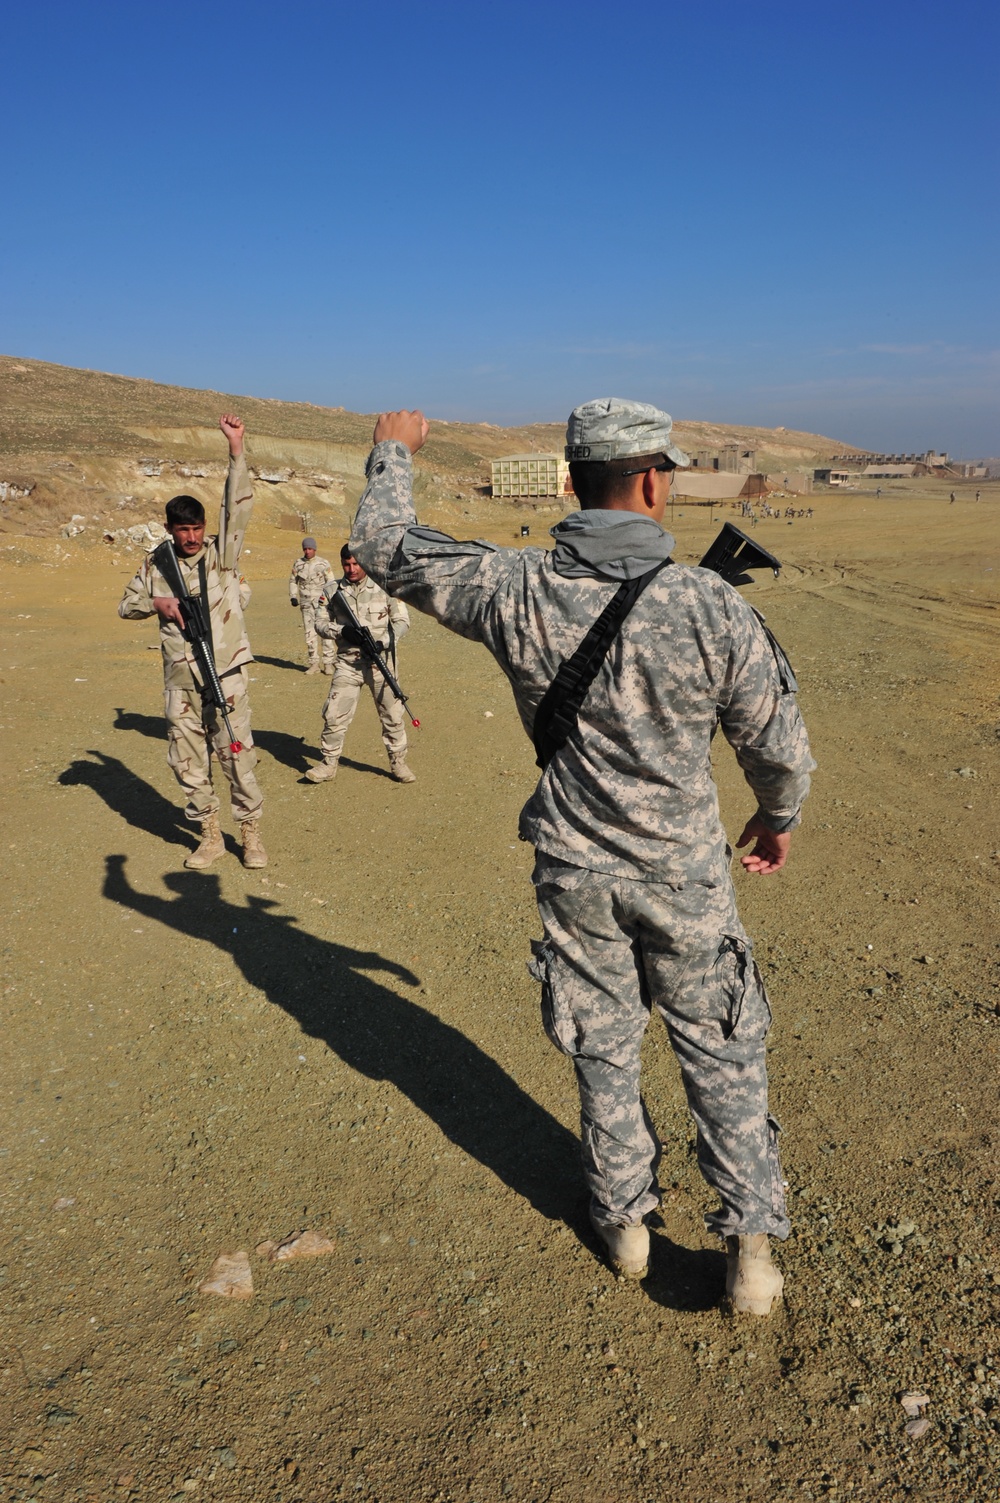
608	545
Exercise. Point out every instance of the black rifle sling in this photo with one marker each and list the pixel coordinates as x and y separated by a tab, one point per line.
557	716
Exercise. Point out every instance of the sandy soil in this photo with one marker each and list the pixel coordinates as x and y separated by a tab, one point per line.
349	1042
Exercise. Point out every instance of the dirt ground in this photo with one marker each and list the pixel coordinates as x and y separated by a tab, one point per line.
349	1042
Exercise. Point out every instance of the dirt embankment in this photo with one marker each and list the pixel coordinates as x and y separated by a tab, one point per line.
92	452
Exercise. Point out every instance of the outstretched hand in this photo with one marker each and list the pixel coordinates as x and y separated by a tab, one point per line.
233	429
409	428
770	852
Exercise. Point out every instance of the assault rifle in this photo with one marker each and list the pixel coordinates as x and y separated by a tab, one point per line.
197	629
733	552
359	636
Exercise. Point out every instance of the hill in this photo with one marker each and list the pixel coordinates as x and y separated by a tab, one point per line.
103	447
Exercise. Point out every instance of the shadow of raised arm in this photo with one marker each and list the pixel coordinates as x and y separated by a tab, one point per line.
375	1030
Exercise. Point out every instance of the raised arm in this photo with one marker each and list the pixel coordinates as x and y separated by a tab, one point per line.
450	580
237	501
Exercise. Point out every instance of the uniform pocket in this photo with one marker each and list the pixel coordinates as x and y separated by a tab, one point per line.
557	1018
746	1007
774	1165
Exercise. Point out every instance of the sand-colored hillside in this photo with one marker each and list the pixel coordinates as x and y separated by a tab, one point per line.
105	448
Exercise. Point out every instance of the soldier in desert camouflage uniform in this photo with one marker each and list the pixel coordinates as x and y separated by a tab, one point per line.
306	589
632	871
194	728
387	620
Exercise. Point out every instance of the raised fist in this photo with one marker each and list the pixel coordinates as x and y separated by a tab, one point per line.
409	428
233	429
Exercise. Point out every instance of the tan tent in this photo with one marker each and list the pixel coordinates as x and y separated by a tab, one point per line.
707	485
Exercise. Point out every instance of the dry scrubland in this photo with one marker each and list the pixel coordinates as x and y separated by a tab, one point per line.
349	1042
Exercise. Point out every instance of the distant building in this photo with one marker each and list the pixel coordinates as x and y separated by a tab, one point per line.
730	459
831	475
972	471
793	482
889	466
530	475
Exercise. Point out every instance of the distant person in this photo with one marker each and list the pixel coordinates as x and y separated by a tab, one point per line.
632	865
878	493
210	567
951	499
977	495
306	584
388	621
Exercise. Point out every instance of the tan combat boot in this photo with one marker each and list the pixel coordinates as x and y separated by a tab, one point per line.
313	667
254	854
399	770
752	1281
627	1248
325	772
211	845
328	670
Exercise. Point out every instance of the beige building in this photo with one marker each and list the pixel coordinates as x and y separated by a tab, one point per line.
531	475
730	459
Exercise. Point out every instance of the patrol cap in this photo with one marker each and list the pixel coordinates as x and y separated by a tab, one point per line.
614	428
308	542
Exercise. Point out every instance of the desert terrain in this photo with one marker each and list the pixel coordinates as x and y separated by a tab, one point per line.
349	1042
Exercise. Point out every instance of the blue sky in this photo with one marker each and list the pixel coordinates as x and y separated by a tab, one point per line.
767	213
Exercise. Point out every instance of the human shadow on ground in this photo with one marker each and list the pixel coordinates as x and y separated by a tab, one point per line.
378	772
136	801
280	663
375	1030
291	751
153	726
684	1278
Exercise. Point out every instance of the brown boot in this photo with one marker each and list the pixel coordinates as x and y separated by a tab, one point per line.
752	1281
627	1248
254	854
399	770
211	846
324	772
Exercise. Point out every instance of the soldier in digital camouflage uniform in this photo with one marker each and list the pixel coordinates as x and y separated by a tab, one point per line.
387	620
632	871
194	728
306	586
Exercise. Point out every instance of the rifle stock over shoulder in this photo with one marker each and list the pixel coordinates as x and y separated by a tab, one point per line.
730	556
733	553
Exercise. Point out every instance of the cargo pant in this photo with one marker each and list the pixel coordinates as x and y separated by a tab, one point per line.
310	610
352	672
190	746
613	950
